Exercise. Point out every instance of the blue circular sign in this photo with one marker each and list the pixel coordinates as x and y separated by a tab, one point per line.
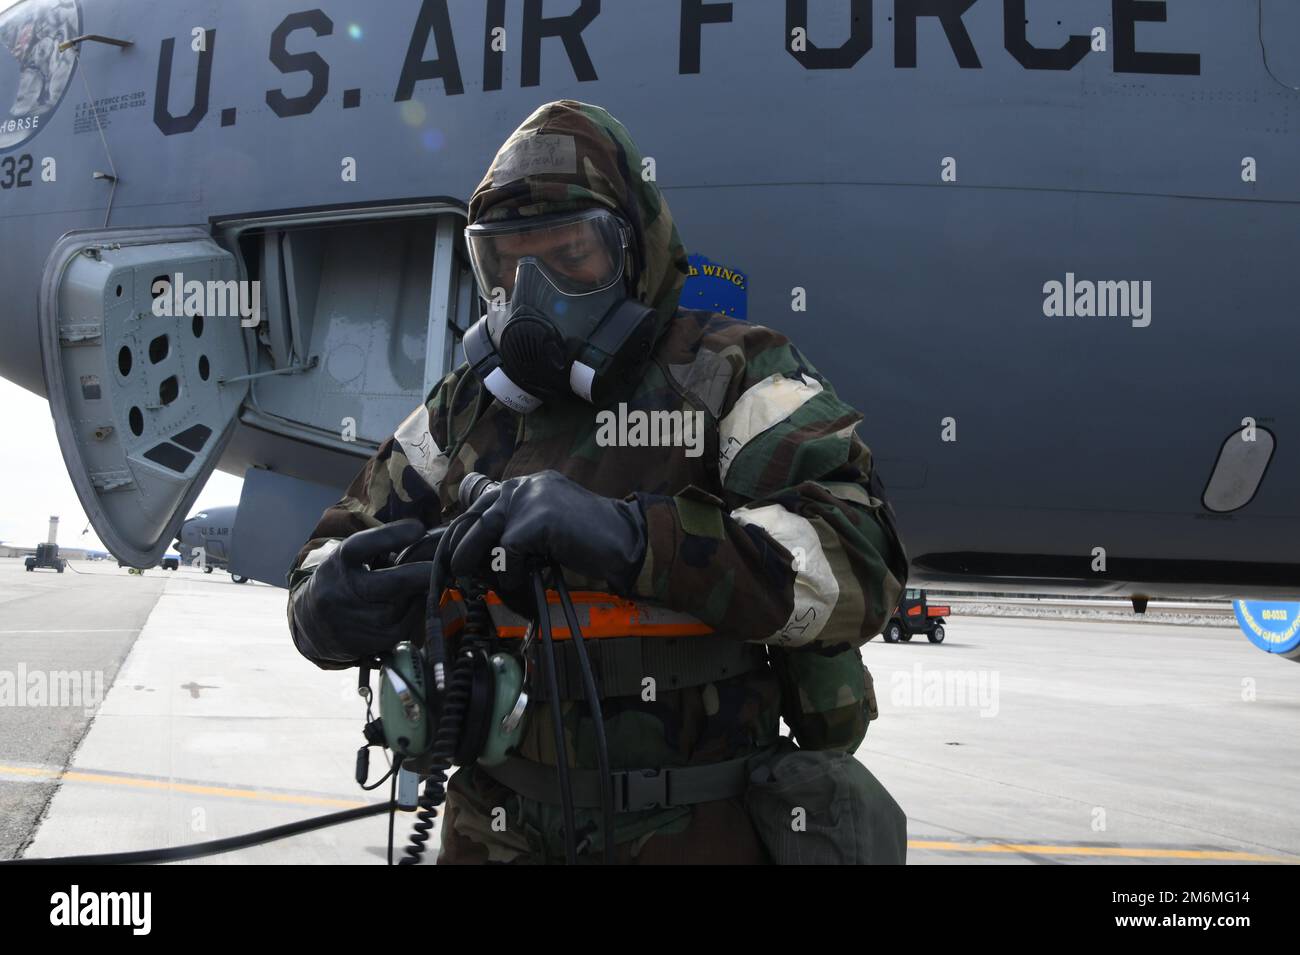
1271	625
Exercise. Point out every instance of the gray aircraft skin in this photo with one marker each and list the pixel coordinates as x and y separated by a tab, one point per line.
895	186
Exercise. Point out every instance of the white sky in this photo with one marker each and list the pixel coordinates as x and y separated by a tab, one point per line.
34	482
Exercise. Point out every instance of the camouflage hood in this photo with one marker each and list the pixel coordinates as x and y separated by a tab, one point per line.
569	155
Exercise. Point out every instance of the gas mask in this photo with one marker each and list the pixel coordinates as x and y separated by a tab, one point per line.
559	317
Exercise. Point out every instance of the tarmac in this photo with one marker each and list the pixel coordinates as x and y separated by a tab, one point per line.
1014	741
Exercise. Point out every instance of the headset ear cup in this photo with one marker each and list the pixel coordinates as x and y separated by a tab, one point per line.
476	723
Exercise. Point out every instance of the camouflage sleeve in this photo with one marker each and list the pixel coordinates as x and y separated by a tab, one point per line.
798	550
827	696
403	478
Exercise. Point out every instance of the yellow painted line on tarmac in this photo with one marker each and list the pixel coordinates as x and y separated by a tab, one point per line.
254	795
1126	852
933	845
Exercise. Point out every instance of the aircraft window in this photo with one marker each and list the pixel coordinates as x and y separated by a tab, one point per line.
203	516
1238	471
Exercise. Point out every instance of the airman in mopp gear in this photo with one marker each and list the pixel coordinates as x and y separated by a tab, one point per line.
694	464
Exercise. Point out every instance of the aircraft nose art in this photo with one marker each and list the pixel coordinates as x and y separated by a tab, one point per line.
35	73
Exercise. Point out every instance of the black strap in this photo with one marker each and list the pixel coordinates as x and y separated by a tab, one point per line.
634	789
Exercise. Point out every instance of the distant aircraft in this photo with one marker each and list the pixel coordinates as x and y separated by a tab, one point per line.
204	541
1046	247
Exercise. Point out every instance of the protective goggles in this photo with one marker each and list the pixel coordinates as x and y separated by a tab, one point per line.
578	253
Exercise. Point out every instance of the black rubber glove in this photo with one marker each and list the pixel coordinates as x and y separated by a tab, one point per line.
546	518
345	612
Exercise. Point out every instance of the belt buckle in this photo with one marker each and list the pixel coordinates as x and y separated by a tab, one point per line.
638	789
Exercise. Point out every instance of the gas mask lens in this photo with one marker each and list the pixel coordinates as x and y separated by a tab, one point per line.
578	253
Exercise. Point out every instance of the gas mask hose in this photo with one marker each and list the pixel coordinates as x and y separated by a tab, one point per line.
557	719
597	715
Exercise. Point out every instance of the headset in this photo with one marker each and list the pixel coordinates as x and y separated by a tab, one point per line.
434	715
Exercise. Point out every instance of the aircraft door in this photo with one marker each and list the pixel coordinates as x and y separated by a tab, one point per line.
145	367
